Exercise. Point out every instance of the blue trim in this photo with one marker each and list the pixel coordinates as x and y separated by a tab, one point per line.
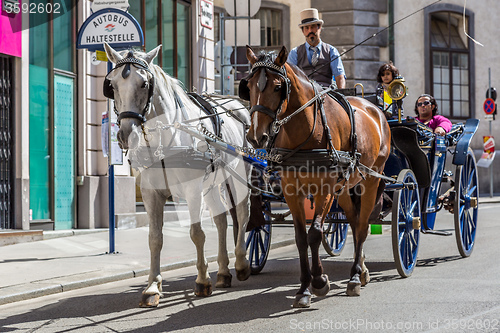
99	46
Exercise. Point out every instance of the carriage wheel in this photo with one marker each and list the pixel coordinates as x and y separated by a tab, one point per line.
406	224
258	243
466	204
335	236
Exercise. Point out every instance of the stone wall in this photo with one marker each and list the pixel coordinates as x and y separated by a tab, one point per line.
349	22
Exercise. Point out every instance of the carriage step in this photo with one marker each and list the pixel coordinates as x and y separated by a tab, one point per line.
437	232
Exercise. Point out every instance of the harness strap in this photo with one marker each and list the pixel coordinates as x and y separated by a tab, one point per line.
181	105
129	114
312	131
326	128
209	109
350	112
263	109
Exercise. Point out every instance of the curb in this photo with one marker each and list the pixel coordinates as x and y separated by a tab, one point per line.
62	287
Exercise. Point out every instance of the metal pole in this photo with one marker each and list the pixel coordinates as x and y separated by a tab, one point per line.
111	185
489	125
235	73
222	46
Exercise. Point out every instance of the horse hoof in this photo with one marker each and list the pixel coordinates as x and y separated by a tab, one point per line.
302	300
243	275
365	277
150	301
202	290
223	281
353	288
323	290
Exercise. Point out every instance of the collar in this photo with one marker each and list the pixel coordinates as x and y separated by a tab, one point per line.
308	46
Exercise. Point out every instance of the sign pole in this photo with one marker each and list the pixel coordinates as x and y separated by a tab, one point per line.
489	132
111	183
121	30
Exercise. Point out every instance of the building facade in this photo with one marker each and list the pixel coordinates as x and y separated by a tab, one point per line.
53	174
53	170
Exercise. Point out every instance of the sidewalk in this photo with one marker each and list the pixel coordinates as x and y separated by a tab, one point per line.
55	265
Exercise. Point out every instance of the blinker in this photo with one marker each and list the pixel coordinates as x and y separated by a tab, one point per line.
261	84
126	71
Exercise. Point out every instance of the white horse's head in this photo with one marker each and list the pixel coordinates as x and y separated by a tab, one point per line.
132	85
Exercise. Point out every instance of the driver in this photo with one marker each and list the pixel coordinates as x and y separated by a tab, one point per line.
315	54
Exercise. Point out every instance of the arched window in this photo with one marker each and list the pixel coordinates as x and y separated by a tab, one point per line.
450	78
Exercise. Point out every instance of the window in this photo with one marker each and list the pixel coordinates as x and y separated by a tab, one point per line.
166	22
270	27
52	141
450	59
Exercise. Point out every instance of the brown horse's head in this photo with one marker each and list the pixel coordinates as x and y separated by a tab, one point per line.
267	90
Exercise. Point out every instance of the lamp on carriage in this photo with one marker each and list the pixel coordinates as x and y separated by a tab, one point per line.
397	91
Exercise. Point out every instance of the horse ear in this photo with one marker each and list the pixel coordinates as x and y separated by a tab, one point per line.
282	57
251	55
112	55
152	54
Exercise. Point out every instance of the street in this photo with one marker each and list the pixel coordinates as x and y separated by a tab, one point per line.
445	294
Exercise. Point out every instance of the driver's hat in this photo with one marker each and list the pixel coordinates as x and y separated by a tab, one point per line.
309	16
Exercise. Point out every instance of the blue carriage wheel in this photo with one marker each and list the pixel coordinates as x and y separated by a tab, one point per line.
335	235
406	224
258	243
466	204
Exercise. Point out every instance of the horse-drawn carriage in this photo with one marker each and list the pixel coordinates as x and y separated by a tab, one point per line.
417	163
358	176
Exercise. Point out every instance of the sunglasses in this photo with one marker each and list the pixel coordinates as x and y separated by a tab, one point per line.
425	103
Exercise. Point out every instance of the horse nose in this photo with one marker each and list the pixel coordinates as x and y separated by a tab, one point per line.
258	142
121	142
263	140
133	140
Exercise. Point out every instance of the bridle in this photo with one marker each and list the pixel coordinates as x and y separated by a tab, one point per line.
276	125
109	93
267	66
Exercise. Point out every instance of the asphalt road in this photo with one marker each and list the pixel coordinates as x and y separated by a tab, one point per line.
445	294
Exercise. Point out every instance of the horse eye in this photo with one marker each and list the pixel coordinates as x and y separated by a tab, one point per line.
144	85
277	88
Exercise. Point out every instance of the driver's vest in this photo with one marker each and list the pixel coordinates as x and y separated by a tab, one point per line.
322	76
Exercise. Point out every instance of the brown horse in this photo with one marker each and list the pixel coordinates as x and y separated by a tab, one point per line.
276	90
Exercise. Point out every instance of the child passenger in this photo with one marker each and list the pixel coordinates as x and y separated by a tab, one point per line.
386	74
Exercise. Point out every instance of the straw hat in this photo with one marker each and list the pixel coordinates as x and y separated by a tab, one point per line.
309	16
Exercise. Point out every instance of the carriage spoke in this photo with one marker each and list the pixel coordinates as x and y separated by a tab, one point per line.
257	248
261	244
250	239
410	252
468	229
413	240
407	251
472	190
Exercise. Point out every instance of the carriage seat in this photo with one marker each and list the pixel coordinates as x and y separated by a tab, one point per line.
405	139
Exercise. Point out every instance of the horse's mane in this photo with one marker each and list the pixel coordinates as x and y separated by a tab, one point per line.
170	85
266	56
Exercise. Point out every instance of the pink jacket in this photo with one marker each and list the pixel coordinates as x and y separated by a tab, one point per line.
437	121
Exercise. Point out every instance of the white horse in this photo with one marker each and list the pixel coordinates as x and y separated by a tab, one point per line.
148	102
